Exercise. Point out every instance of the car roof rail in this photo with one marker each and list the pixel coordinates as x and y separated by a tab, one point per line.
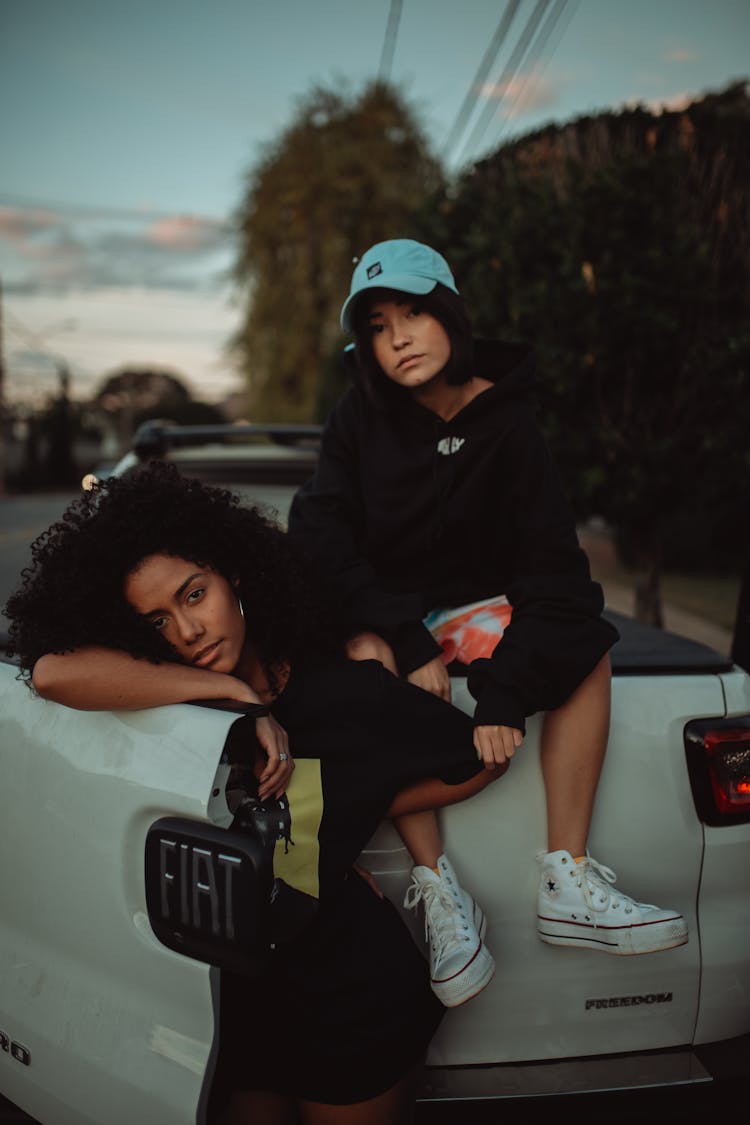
155	438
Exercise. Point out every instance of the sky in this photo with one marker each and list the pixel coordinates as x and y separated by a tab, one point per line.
128	132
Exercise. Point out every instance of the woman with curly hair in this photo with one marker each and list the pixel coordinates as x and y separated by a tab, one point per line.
154	589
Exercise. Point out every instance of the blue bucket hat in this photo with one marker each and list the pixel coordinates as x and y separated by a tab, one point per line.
402	264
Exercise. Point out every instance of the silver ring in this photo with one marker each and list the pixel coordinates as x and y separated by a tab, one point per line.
283	757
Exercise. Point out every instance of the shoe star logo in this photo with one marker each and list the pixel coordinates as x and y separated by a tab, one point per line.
551	885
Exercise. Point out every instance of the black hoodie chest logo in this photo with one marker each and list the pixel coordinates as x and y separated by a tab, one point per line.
448	445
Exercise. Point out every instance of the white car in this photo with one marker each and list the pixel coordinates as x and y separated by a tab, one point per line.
128	886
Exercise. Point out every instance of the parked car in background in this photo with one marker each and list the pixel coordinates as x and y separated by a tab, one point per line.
263	463
129	882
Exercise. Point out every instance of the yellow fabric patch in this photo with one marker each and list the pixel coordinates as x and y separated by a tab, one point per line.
299	866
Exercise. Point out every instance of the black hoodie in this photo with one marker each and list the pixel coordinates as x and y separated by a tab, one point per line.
408	513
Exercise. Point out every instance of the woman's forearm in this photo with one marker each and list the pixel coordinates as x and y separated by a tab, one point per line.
101	679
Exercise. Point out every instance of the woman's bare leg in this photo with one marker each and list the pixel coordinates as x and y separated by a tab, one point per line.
412	811
260	1107
421	836
413	815
393	1107
574	741
432	793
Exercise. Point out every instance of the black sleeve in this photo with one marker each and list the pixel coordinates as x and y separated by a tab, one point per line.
326	520
557	635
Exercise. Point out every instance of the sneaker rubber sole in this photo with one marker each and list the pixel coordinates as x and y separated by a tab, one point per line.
623	941
475	975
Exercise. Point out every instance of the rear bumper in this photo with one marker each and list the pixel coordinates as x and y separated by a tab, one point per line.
692	1069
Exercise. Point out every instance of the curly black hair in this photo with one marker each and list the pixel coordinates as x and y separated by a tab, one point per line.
72	593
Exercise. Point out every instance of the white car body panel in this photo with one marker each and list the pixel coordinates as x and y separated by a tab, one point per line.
119	1027
536	1005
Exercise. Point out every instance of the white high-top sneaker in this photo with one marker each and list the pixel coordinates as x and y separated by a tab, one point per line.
579	905
454	925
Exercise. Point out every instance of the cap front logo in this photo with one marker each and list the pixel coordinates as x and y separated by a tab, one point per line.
374	270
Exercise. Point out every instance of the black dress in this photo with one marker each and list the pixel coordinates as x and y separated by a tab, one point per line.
347	1010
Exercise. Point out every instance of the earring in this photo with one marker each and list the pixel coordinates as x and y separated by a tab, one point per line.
242	608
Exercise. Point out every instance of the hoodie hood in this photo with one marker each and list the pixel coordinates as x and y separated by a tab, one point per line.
511	366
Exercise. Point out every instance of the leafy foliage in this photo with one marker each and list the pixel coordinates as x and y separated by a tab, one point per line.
132	395
620	245
348	172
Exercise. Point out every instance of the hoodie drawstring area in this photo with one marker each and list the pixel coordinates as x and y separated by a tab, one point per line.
443	473
439	524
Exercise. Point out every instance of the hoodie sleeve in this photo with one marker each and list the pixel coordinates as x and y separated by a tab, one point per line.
557	635
326	520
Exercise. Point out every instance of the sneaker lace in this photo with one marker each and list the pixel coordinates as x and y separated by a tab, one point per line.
442	915
596	880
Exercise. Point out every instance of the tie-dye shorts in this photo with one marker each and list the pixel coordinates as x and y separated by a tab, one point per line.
468	632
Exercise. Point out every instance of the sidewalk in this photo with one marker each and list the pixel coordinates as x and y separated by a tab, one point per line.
621	599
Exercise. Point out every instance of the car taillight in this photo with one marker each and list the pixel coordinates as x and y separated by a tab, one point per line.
718	756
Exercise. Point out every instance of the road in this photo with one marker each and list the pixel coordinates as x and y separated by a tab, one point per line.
22	518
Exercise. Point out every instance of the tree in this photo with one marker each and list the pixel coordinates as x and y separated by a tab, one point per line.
348	172
58	426
133	395
620	244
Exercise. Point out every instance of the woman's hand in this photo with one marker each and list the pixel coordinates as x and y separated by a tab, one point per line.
432	677
369	878
280	764
371	646
495	746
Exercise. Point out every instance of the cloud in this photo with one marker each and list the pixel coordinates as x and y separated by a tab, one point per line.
186	232
680	55
22	227
37	236
51	251
525	93
670	103
97	332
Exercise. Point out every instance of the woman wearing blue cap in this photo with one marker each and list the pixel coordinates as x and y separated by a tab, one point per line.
438	514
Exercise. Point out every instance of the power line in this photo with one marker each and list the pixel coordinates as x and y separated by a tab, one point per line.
35	339
389	43
533	75
508	73
477	82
